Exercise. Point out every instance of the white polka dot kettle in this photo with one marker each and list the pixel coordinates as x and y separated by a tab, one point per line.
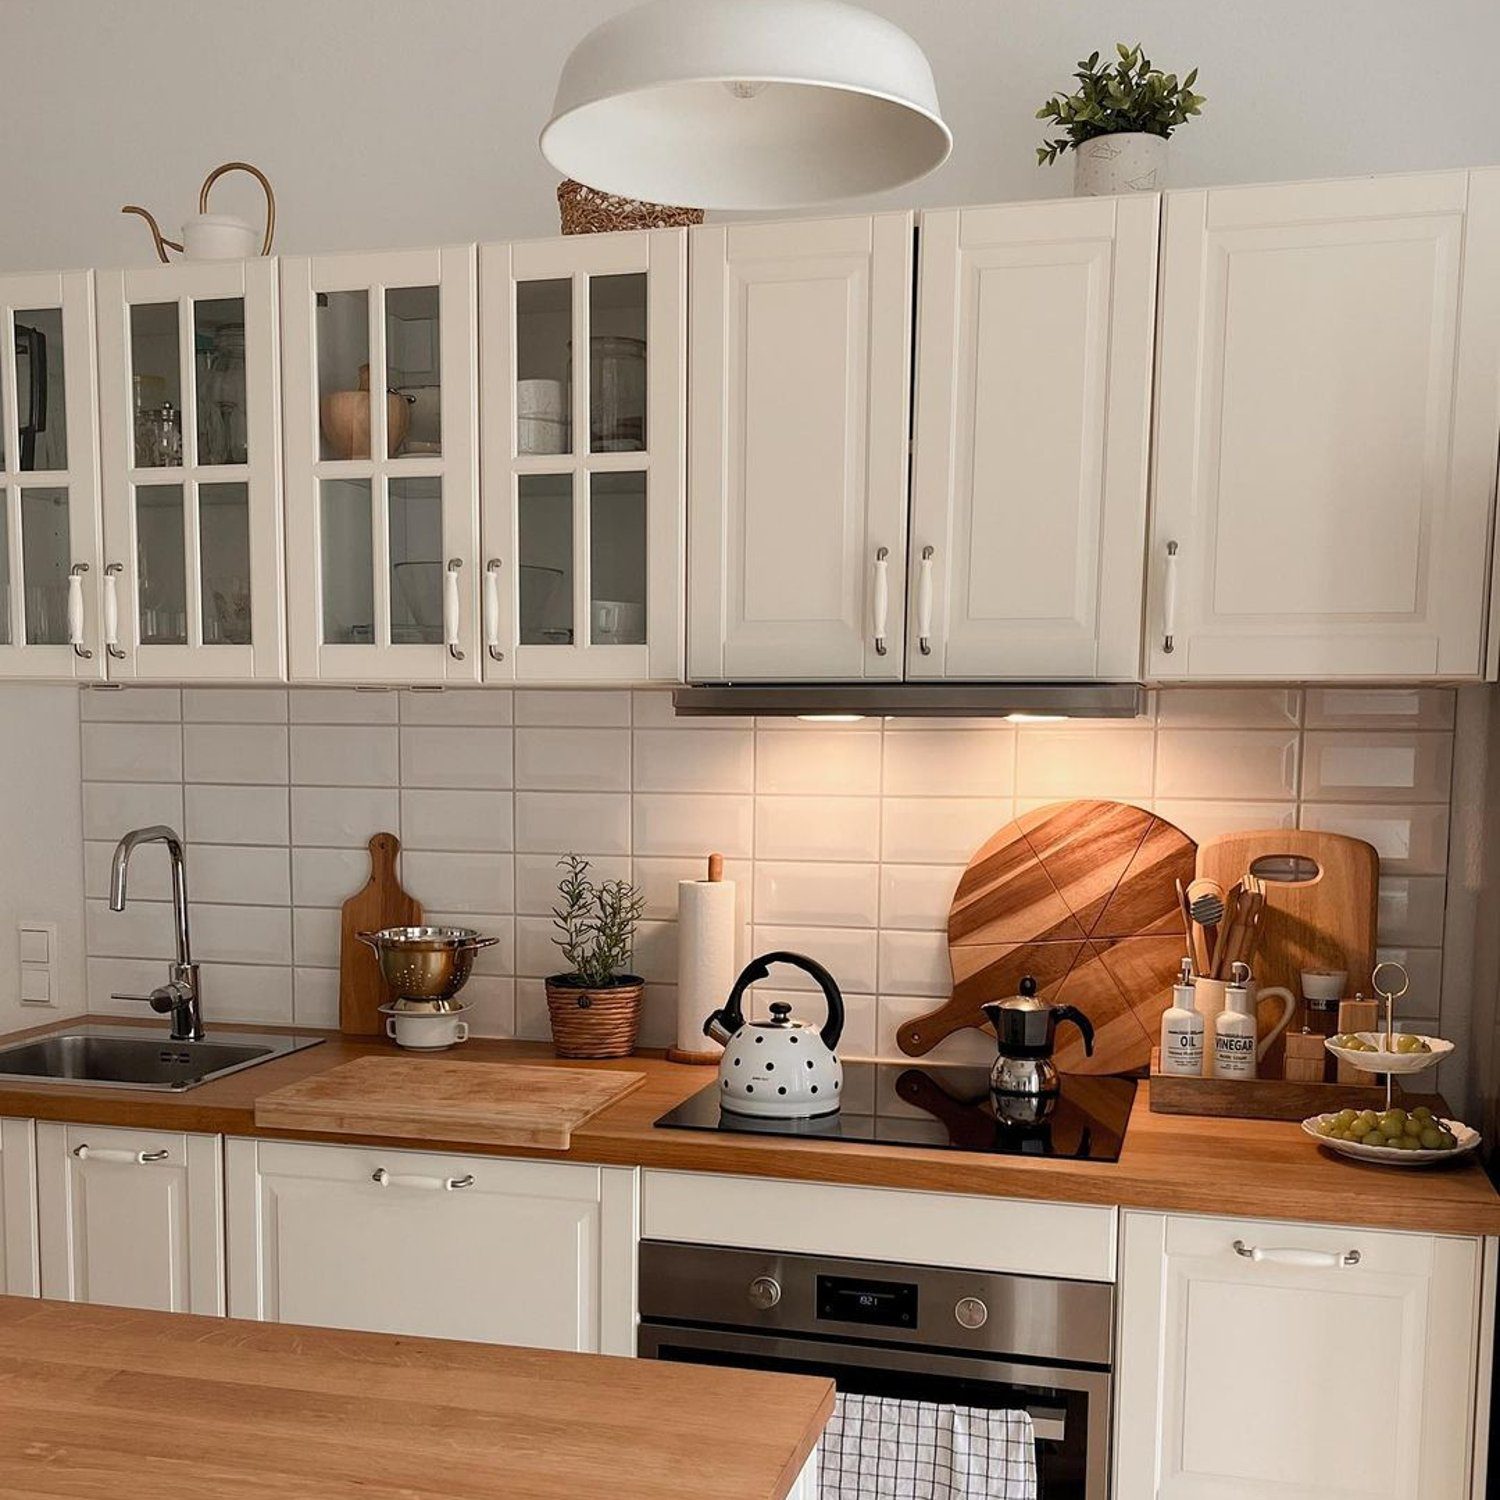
779	1069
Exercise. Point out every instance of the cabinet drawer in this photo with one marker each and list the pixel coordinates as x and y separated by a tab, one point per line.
1280	1243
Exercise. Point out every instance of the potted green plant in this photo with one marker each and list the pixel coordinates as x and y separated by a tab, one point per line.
595	1004
1117	122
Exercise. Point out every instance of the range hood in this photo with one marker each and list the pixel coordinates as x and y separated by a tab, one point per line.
895	700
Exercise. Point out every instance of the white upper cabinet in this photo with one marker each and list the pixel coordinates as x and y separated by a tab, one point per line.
380	391
584	458
1032	415
191	460
49	480
799	353
1326	429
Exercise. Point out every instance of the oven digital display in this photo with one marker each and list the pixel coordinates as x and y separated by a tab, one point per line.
885	1304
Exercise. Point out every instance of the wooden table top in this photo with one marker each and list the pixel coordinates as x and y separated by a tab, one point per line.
1172	1163
105	1401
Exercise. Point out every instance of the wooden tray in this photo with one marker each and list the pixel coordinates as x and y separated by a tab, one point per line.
1264	1098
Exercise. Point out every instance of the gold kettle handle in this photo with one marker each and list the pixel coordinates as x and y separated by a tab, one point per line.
162	243
214	176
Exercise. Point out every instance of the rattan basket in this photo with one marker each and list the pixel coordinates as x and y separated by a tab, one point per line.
595	1022
586	210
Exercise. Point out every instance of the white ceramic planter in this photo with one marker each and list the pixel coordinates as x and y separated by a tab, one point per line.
1131	162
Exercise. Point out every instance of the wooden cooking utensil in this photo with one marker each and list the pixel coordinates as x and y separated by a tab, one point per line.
382	903
1356	1015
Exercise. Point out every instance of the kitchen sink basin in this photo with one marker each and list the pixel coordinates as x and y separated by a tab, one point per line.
126	1057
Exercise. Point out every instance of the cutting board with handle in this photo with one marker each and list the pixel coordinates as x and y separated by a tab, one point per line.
382	903
440	1099
1081	896
1322	891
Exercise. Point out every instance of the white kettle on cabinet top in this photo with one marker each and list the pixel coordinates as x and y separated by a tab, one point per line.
781	1069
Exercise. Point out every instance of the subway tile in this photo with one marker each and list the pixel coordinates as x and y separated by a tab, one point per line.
242	934
573	760
150	874
492	1006
651	708
570	708
822	760
915	963
112	808
537	955
139	705
1424	972
315	997
838	828
657	878
1410	840
658	1016
1412	910
242	705
343	755
459	882
239	875
457	821
317	936
478	707
1228	708
237	814
253	994
532	1023
970	1046
917	896
683	823
858	1037
342	706
343	817
848	953
328	877
1206	820
105	977
1096	762
939	830
1228	764
559	822
950	763
144	929
655	954
1380	708
132	752
495	960
245	754
537	876
1377	766
817	895
720	760
455	757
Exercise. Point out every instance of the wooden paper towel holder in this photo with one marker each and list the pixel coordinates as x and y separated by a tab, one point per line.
706	1058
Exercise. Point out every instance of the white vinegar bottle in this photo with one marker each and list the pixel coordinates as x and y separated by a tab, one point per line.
1235	1031
1182	1029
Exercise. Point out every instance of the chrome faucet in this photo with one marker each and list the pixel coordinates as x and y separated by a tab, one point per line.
179	995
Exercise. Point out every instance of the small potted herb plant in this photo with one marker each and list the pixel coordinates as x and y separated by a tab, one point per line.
1117	121
595	1004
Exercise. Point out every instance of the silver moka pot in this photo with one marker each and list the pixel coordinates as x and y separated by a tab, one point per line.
1024	1079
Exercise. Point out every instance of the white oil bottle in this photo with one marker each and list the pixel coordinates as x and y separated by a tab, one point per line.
1235	1029
1182	1029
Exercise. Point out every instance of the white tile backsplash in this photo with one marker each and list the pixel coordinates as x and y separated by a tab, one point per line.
346	755
573	760
457	821
245	754
236	814
132	752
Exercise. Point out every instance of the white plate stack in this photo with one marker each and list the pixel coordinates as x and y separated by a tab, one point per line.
706	962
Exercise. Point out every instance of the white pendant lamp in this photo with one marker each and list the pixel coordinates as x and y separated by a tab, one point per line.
746	104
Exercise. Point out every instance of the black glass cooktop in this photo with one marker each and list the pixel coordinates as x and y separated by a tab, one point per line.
944	1108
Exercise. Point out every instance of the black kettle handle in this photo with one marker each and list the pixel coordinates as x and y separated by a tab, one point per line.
731	1016
1081	1021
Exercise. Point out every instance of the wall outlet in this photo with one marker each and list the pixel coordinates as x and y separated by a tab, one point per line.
36	948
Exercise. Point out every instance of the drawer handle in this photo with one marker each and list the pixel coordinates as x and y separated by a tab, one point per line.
1326	1260
924	602
382	1178
1169	602
86	1152
451	608
882	597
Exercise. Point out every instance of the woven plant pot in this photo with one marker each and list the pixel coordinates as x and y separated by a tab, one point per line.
595	1022
586	210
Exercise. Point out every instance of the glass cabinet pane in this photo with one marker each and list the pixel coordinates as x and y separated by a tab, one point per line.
224	548
545	525
617	363
544	377
617	559
219	360
161	564
415	509
343	335
156	385
413	365
41	396
348	562
4	568
45	550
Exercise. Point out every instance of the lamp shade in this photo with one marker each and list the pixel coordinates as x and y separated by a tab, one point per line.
746	104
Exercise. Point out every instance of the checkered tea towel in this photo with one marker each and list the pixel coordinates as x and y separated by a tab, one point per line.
879	1448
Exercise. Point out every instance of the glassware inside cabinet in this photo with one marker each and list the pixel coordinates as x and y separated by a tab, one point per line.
413	370
224	552
343	338
415	509
156	384
45	559
544	376
617	559
617	363
41	391
347	561
161	564
545	526
219	353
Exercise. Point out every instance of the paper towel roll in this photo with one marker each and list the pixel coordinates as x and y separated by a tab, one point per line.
706	962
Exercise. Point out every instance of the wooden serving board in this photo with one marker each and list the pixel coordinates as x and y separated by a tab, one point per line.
441	1099
1081	896
1263	1098
382	903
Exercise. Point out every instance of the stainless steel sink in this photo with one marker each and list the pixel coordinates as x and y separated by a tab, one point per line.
127	1057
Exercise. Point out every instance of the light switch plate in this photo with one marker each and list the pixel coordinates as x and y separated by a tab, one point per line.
36	942
36	984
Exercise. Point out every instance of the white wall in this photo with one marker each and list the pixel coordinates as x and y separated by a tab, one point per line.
392	122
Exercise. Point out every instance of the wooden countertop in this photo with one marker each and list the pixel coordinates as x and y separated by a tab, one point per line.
112	1401
1175	1163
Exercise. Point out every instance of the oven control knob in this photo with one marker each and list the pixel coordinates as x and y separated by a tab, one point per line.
971	1312
764	1293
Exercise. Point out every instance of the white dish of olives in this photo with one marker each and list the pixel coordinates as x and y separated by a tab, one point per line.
1366	1050
1392	1137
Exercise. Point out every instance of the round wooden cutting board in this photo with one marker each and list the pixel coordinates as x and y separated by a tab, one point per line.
1081	896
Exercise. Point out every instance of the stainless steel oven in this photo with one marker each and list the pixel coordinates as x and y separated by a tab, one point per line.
924	1333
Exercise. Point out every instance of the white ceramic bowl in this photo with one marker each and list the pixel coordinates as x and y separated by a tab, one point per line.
1391	1062
425	1031
1385	1156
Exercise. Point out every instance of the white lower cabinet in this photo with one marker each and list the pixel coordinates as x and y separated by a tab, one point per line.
1294	1362
133	1218
19	1271
539	1253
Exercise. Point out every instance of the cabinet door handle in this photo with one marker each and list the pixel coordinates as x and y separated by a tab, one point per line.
450	608
924	602
882	603
381	1178
86	1152
1169	601
1286	1255
75	611
492	610
111	631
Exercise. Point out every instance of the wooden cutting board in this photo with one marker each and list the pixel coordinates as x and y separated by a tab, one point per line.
442	1099
1326	922
1080	896
382	903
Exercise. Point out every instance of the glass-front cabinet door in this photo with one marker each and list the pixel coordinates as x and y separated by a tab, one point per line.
190	436
49	480
583	358
381	466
